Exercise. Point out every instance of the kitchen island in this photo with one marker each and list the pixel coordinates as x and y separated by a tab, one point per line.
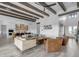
24	44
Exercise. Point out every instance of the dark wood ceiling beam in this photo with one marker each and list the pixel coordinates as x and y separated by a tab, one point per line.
20	8
34	8
30	16
15	15
51	5
62	6
49	8
77	4
69	12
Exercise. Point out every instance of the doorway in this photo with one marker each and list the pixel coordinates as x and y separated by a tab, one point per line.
3	31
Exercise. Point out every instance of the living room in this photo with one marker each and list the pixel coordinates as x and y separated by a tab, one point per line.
39	29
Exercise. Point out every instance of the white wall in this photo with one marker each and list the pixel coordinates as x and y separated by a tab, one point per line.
53	33
10	22
52	20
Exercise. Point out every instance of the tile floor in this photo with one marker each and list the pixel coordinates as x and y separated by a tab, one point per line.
71	50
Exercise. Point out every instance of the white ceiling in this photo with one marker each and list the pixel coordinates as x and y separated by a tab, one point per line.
69	6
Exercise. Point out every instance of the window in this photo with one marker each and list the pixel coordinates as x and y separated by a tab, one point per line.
72	29
72	15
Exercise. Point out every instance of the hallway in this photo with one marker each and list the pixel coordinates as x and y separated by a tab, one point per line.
71	50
